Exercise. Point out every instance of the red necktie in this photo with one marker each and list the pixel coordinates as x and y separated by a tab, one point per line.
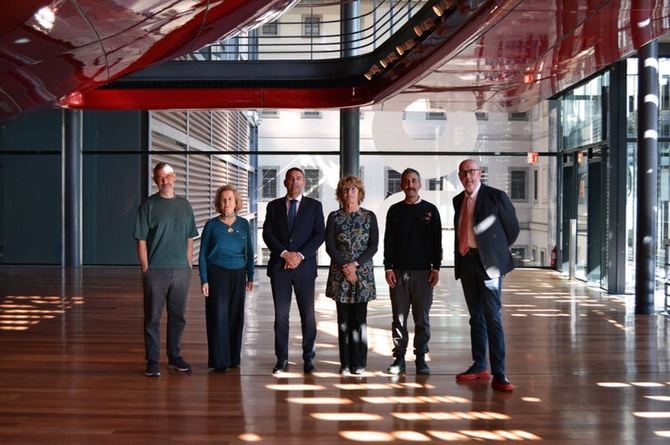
465	227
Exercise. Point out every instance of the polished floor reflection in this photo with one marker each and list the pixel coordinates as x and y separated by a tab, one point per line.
588	370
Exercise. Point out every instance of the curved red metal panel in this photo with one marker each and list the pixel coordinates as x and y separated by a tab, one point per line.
50	50
509	56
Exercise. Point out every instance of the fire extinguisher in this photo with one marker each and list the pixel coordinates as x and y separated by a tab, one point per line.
553	258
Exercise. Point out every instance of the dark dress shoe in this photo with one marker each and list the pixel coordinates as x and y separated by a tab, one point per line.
221	370
422	367
281	366
309	367
500	383
397	366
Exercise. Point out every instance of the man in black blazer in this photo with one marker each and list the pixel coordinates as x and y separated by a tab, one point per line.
486	227
293	231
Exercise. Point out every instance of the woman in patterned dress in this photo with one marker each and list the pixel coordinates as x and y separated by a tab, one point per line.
351	241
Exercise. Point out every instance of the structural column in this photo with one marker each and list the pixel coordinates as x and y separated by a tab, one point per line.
350	117
647	171
71	187
350	154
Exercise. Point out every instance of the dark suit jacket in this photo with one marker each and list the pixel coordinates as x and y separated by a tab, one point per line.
306	237
496	229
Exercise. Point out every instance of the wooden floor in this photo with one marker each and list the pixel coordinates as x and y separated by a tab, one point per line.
588	371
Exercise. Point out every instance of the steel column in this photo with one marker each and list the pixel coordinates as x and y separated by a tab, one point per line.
71	188
350	117
647	172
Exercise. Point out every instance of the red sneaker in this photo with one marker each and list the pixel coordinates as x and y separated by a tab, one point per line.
471	374
502	384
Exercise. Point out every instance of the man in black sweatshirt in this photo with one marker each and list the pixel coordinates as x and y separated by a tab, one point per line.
412	257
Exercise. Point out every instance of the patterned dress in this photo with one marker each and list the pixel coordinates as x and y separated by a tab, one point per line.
351	237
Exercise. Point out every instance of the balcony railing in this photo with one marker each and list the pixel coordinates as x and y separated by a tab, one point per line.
312	30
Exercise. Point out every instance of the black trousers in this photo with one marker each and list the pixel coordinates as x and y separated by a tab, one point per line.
283	284
352	334
224	310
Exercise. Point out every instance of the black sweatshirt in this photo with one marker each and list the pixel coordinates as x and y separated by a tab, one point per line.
413	238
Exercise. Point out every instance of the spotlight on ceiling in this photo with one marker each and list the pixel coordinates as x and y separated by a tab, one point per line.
411	43
439	8
374	69
389	59
427	25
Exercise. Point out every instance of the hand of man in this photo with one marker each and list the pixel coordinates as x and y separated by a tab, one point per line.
250	286
433	278
205	289
390	278
293	260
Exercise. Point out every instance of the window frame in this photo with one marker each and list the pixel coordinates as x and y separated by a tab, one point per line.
261	195
310	24
510	172
269	114
312	191
311	114
517	116
269	27
388	172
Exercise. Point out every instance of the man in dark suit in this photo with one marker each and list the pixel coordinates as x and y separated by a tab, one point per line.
293	231
486	227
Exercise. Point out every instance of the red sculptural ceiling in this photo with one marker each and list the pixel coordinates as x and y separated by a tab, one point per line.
52	49
510	55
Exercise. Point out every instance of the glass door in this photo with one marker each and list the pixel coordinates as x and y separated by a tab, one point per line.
581	163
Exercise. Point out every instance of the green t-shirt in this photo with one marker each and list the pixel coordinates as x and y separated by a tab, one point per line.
166	224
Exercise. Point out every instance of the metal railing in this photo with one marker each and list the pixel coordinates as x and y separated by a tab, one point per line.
311	30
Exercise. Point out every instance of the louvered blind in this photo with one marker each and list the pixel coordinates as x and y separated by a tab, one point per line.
175	119
200	193
199	126
178	162
199	175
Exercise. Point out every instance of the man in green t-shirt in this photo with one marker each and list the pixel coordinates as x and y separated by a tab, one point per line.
164	230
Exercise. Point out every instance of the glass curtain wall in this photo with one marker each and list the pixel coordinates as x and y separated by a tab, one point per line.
663	203
583	142
433	142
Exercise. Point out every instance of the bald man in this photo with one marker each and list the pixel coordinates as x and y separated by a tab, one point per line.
486	227
164	231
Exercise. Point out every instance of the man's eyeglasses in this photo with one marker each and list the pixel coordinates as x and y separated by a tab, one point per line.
468	172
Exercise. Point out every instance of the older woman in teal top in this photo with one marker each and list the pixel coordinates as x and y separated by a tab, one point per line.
226	269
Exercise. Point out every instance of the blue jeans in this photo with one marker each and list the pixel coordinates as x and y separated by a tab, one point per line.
482	296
